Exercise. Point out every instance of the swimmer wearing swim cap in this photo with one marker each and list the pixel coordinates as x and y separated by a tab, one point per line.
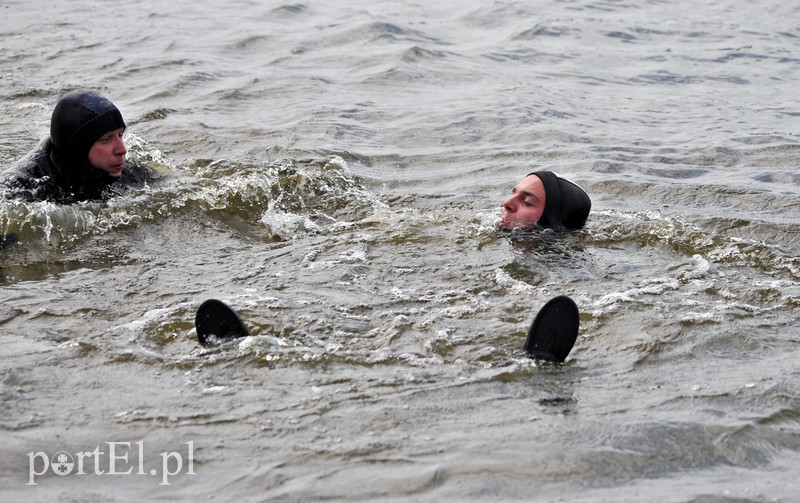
83	157
545	199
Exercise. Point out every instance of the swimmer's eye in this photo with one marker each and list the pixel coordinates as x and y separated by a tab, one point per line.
106	138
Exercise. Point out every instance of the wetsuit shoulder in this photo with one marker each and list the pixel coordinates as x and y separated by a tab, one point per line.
35	177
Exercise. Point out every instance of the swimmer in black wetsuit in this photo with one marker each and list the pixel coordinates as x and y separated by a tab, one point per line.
545	199
540	199
82	159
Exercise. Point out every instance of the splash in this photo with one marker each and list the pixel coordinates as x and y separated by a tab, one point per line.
651	229
288	198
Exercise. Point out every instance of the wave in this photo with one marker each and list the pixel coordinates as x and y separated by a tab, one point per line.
288	198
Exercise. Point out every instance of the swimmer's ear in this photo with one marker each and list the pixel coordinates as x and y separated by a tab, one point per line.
554	330
217	322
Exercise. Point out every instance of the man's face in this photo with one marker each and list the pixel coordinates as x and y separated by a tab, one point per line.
108	153
525	206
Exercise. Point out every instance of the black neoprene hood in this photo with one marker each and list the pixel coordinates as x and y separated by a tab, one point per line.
565	203
79	119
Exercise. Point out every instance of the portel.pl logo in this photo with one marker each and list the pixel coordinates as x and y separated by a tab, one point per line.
113	460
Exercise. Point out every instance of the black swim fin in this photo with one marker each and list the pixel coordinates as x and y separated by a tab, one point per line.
554	330
217	322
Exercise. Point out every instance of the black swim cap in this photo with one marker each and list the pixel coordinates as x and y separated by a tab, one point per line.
79	119
565	203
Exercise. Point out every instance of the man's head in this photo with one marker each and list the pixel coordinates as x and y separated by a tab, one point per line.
545	199
80	120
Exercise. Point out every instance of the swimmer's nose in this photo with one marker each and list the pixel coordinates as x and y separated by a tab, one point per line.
120	147
508	204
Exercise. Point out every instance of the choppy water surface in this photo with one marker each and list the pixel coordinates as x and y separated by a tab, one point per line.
334	172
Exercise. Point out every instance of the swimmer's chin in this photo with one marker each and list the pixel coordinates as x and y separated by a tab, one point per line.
505	228
116	170
504	225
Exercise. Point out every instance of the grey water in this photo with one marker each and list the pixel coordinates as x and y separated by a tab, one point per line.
334	171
